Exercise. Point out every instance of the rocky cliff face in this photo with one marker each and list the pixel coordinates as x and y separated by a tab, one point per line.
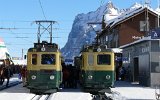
81	33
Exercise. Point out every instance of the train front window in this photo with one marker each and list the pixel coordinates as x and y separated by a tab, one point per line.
90	59
34	59
104	59
48	59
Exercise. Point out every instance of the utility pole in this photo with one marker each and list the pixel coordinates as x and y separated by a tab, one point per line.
22	54
97	37
43	26
158	13
146	17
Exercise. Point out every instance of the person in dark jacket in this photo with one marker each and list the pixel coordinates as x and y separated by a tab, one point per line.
122	73
7	74
1	73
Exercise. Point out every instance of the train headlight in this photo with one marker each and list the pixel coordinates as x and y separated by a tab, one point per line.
52	77
43	49
99	50
90	77
33	77
108	77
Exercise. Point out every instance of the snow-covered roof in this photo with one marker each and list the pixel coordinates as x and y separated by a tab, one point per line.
117	50
129	13
4	54
138	41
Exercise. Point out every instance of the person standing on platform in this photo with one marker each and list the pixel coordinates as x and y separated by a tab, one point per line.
7	74
24	74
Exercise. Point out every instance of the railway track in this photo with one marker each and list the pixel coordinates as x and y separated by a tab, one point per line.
41	97
101	96
108	96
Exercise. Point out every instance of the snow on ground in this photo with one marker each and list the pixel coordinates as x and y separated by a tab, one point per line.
122	91
22	93
70	96
16	93
129	90
14	78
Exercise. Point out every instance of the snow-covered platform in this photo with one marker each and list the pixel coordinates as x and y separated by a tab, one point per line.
123	91
126	90
13	79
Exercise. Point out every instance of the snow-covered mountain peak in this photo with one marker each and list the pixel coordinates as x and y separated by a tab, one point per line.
111	11
82	33
110	5
135	5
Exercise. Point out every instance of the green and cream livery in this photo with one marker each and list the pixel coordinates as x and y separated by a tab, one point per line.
44	70
97	68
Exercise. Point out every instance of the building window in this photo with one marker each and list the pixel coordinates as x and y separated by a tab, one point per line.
144	26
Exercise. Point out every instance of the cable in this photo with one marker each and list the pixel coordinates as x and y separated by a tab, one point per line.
18	36
42	9
16	28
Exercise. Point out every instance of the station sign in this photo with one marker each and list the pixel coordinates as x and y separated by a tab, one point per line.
122	59
155	34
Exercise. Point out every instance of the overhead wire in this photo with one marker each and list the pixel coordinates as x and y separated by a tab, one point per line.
23	38
42	9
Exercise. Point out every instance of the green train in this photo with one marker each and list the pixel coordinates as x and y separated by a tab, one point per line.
44	70
97	68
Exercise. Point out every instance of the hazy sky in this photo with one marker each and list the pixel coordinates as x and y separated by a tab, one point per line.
20	14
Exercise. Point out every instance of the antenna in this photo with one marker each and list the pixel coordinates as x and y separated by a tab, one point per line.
158	12
97	32
43	26
147	3
91	25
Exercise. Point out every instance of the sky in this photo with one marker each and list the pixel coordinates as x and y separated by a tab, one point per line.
18	29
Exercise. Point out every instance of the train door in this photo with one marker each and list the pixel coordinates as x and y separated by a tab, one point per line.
90	64
136	69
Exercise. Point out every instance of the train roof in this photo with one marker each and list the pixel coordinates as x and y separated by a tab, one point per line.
96	48
44	47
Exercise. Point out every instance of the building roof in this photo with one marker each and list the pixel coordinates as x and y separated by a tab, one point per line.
129	14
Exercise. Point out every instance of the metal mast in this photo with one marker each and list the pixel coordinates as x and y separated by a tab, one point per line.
97	37
158	13
43	26
147	2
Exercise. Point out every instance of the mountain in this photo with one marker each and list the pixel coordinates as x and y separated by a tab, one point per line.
82	33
